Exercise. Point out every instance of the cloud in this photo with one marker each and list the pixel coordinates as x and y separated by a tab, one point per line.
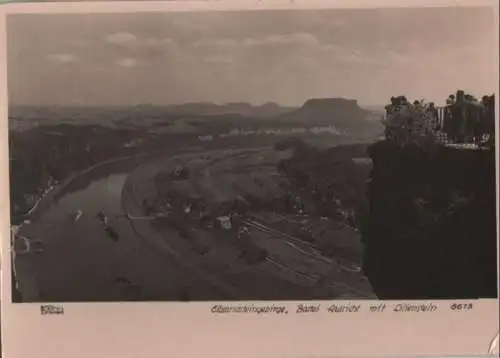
61	57
292	39
121	39
126	39
127	45
127	62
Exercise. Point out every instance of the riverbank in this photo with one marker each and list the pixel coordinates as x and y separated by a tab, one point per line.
24	276
22	279
81	263
49	195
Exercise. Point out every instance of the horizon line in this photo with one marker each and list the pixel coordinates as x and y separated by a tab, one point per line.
219	104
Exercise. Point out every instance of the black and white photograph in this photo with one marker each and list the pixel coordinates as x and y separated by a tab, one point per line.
253	155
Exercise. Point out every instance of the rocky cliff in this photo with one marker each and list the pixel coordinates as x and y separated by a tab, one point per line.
430	226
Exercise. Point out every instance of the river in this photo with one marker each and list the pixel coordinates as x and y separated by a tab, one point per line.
81	262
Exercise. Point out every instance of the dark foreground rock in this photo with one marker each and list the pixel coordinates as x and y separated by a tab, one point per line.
430	229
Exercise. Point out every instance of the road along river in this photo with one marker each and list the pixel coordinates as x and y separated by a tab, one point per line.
80	262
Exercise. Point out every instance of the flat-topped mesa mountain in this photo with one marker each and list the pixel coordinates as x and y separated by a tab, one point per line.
343	113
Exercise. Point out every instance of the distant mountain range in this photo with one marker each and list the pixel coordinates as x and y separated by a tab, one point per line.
267	110
345	114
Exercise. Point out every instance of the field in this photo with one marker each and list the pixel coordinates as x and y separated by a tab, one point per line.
262	233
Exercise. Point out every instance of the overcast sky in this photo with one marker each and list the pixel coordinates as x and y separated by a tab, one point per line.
281	56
